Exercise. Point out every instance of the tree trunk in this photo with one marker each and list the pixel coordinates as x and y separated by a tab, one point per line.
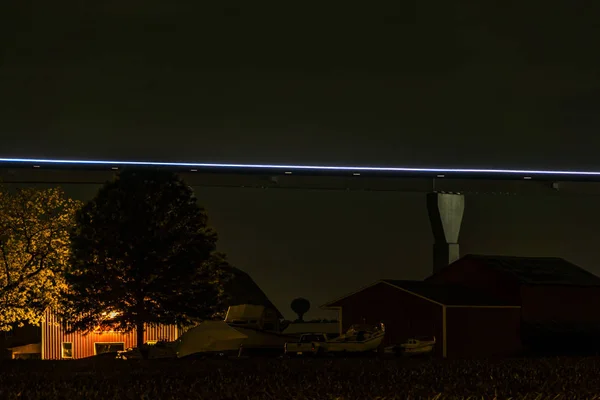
140	339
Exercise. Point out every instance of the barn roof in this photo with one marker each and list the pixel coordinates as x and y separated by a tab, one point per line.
447	294
538	270
441	293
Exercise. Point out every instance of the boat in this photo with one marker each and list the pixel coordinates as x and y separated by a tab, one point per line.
359	338
210	337
418	346
247	329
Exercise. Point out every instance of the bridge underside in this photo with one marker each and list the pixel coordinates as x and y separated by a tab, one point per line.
469	186
445	199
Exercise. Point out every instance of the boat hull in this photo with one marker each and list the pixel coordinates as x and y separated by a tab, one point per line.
419	351
370	344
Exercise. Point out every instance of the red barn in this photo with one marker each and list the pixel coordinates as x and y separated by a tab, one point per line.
485	306
559	299
57	344
547	288
465	322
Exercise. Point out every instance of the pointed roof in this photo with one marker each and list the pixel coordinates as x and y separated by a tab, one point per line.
242	289
537	270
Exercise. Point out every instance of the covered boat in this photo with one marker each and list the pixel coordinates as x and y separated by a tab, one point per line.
247	326
210	337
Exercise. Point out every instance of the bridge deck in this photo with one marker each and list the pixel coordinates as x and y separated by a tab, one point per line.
281	180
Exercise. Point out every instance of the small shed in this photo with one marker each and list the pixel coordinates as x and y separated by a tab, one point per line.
465	322
27	352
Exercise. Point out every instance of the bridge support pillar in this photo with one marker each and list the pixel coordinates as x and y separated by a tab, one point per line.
445	213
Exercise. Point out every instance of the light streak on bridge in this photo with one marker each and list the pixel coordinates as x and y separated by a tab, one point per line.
315	169
312	177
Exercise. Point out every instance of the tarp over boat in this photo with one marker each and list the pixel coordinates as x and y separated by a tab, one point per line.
209	336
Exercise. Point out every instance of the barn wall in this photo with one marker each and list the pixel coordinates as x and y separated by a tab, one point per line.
403	314
483	332
472	274
53	335
560	303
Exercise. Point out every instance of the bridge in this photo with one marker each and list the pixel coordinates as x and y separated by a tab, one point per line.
445	188
315	177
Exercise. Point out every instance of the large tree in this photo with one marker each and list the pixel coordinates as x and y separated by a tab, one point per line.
142	253
34	252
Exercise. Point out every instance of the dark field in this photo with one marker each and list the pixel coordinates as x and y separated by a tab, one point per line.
567	378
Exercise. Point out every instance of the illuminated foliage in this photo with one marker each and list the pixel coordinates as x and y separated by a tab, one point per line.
34	251
142	249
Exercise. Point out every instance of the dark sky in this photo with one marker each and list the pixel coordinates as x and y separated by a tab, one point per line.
490	84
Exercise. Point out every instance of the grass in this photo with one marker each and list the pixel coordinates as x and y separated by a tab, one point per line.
566	378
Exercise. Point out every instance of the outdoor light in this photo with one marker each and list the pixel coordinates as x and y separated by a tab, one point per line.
110	315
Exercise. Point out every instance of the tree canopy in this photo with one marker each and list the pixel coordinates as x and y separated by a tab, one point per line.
142	253
34	252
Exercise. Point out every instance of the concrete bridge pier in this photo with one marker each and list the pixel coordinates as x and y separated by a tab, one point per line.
445	213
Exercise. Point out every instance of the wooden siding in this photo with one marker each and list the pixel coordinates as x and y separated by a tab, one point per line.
483	332
403	314
53	335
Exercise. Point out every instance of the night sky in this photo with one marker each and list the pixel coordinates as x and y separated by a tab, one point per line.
428	84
